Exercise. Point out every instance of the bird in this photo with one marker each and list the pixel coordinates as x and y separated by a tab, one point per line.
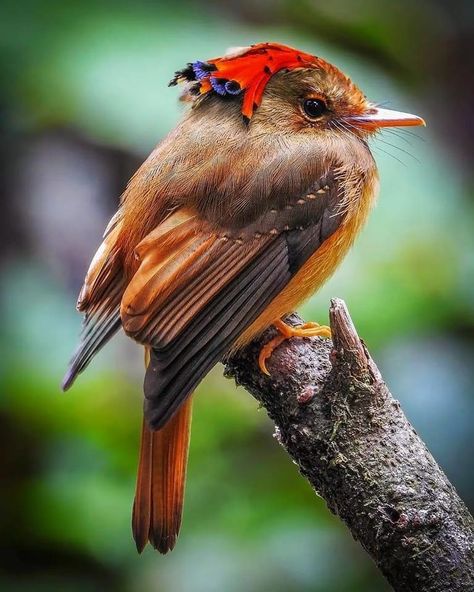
237	216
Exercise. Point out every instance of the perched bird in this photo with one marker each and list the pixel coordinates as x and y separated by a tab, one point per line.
235	218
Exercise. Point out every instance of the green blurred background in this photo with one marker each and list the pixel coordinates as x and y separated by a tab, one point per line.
83	99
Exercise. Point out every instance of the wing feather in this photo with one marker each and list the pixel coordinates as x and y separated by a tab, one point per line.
99	299
176	370
197	290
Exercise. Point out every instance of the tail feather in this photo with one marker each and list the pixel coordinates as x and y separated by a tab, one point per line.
159	497
142	502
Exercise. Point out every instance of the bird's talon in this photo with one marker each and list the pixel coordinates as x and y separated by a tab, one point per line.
310	329
263	367
266	352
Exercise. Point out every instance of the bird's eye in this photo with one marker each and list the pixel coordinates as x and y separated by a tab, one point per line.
314	108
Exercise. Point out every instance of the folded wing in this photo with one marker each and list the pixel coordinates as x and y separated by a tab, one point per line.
197	289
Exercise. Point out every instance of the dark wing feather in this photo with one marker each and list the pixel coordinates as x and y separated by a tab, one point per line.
99	299
194	307
176	370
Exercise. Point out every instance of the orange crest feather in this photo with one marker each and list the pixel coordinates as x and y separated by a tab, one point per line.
247	71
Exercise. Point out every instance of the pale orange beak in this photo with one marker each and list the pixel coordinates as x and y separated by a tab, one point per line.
375	118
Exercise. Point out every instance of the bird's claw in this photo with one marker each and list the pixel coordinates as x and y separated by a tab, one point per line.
287	332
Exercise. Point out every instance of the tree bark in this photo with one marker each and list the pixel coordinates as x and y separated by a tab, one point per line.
337	419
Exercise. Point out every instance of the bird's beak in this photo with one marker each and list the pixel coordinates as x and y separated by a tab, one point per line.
375	118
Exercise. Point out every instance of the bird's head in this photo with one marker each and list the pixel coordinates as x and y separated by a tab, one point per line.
280	89
266	122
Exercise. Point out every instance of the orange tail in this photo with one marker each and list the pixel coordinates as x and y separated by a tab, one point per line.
159	496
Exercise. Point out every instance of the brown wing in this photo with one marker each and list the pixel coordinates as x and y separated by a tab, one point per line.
99	299
196	290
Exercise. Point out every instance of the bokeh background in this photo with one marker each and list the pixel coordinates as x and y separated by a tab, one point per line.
83	99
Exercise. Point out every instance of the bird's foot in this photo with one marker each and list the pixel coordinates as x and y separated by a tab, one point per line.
286	332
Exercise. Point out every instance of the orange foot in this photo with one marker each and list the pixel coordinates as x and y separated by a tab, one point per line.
306	330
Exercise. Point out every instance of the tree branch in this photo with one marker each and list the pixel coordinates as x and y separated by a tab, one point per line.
336	418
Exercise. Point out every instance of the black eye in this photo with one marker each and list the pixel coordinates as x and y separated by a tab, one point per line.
314	108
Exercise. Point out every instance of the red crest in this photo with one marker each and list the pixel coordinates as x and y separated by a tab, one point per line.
246	71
